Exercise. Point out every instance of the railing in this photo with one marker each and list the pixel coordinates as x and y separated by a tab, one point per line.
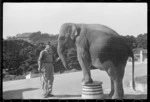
142	57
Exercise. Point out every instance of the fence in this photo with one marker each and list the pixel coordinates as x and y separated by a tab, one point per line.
141	57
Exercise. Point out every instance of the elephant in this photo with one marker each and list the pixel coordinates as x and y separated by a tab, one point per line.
98	46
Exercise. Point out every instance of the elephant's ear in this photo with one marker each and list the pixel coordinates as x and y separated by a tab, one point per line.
75	32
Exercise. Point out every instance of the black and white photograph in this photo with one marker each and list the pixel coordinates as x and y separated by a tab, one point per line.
74	50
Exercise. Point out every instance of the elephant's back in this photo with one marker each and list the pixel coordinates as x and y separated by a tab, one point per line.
101	28
114	44
110	48
103	43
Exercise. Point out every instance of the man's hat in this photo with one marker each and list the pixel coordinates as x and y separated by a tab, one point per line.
49	43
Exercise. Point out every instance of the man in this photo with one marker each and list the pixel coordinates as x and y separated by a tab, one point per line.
45	66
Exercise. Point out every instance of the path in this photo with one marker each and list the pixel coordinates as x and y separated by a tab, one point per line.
68	85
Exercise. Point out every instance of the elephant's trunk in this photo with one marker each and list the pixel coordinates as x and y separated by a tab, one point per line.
60	50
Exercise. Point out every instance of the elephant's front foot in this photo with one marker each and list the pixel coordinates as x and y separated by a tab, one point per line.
117	97
118	94
87	81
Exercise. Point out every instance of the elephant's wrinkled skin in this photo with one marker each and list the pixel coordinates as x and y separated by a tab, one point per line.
97	46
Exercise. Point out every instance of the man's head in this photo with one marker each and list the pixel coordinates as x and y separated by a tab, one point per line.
49	43
48	46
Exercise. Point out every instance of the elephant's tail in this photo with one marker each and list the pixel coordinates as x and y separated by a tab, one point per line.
133	82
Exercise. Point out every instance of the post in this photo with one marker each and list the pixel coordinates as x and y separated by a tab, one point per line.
141	56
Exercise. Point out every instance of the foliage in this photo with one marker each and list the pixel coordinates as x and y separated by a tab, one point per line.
38	37
136	42
11	38
20	57
13	77
30	55
142	41
11	57
131	41
72	59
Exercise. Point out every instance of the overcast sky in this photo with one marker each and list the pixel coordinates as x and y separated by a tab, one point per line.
125	18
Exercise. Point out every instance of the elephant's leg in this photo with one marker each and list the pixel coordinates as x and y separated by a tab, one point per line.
110	69
112	88
85	63
116	74
118	85
118	92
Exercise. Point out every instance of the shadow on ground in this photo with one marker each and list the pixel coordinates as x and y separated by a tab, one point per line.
67	96
129	96
105	96
16	94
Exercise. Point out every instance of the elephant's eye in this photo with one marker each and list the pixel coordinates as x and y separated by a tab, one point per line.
67	35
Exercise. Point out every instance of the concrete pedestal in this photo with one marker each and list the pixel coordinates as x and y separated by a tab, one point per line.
92	91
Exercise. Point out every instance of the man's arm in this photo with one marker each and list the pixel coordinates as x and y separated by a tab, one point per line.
57	59
40	60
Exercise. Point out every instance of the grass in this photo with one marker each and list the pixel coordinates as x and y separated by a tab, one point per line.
13	77
141	79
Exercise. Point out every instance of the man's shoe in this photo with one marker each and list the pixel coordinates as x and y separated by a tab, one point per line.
50	95
45	96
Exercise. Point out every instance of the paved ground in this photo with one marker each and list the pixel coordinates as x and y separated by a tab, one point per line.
68	86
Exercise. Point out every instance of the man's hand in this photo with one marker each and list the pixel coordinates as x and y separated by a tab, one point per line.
39	69
57	59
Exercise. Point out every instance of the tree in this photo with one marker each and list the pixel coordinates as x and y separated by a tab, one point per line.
11	38
34	37
72	59
131	41
11	55
38	37
142	41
